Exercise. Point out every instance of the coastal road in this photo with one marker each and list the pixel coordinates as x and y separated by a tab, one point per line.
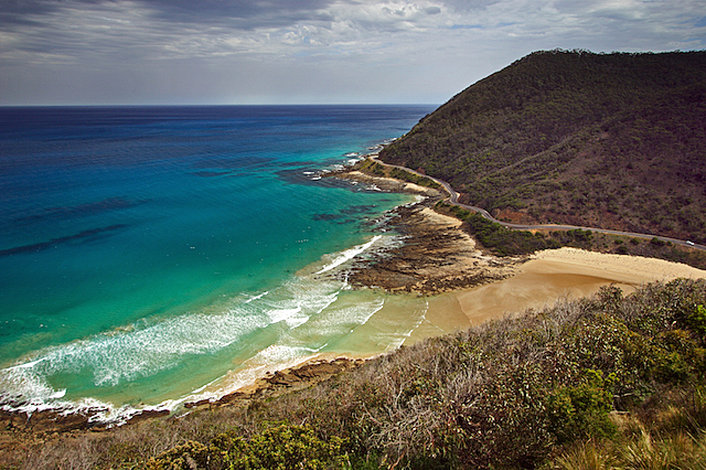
454	196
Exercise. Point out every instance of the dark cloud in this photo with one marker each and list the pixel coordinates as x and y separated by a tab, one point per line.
241	14
17	10
33	12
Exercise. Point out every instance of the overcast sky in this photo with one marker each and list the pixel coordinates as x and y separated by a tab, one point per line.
306	51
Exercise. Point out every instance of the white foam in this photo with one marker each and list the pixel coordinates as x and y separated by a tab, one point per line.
401	338
283	314
343	320
257	297
364	319
149	347
27	365
123	355
58	394
348	255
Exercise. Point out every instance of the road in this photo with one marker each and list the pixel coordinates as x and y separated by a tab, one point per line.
454	196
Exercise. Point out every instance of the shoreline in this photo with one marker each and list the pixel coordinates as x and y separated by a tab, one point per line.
471	287
438	262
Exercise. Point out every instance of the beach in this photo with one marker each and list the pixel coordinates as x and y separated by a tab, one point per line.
439	281
465	286
419	275
546	278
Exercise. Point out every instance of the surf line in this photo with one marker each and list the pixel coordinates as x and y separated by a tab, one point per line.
348	255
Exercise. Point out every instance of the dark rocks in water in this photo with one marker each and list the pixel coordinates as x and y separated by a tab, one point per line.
436	256
326	216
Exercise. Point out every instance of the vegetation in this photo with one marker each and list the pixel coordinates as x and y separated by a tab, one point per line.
280	447
374	168
610	140
604	382
403	175
503	241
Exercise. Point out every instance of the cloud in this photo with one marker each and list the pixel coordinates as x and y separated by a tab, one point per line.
434	46
239	14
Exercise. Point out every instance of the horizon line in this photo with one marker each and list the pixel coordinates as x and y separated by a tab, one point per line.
162	105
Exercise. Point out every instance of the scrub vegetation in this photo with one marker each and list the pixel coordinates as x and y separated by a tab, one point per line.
604	382
605	140
502	241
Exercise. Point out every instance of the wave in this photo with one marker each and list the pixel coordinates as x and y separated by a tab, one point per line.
348	255
298	345
257	297
113	359
119	356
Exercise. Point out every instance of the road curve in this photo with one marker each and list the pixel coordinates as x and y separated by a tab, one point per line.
454	195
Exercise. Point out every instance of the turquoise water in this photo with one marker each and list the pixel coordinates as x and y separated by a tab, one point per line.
148	252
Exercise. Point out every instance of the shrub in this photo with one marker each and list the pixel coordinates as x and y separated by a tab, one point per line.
697	319
191	455
281	447
657	242
581	411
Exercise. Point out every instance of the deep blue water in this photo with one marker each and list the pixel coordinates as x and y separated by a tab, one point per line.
143	245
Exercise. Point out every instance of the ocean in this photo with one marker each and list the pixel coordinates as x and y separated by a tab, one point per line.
155	255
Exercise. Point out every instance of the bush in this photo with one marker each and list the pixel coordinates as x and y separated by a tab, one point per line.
281	447
697	320
191	455
657	242
499	239
581	411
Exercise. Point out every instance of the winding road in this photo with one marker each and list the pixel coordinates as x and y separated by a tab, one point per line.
454	195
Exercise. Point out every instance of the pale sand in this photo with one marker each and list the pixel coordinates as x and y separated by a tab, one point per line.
551	275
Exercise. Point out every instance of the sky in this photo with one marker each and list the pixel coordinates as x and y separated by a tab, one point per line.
98	52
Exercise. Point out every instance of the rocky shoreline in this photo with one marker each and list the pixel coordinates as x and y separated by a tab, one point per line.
436	255
53	421
278	382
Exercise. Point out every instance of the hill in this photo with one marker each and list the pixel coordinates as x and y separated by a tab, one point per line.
608	140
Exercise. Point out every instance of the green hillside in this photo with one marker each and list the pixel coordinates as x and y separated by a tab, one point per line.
609	140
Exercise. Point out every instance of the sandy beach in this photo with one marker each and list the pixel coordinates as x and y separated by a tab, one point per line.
441	270
547	277
465	286
522	283
438	281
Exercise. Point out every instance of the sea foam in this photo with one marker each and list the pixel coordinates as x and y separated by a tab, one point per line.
349	254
